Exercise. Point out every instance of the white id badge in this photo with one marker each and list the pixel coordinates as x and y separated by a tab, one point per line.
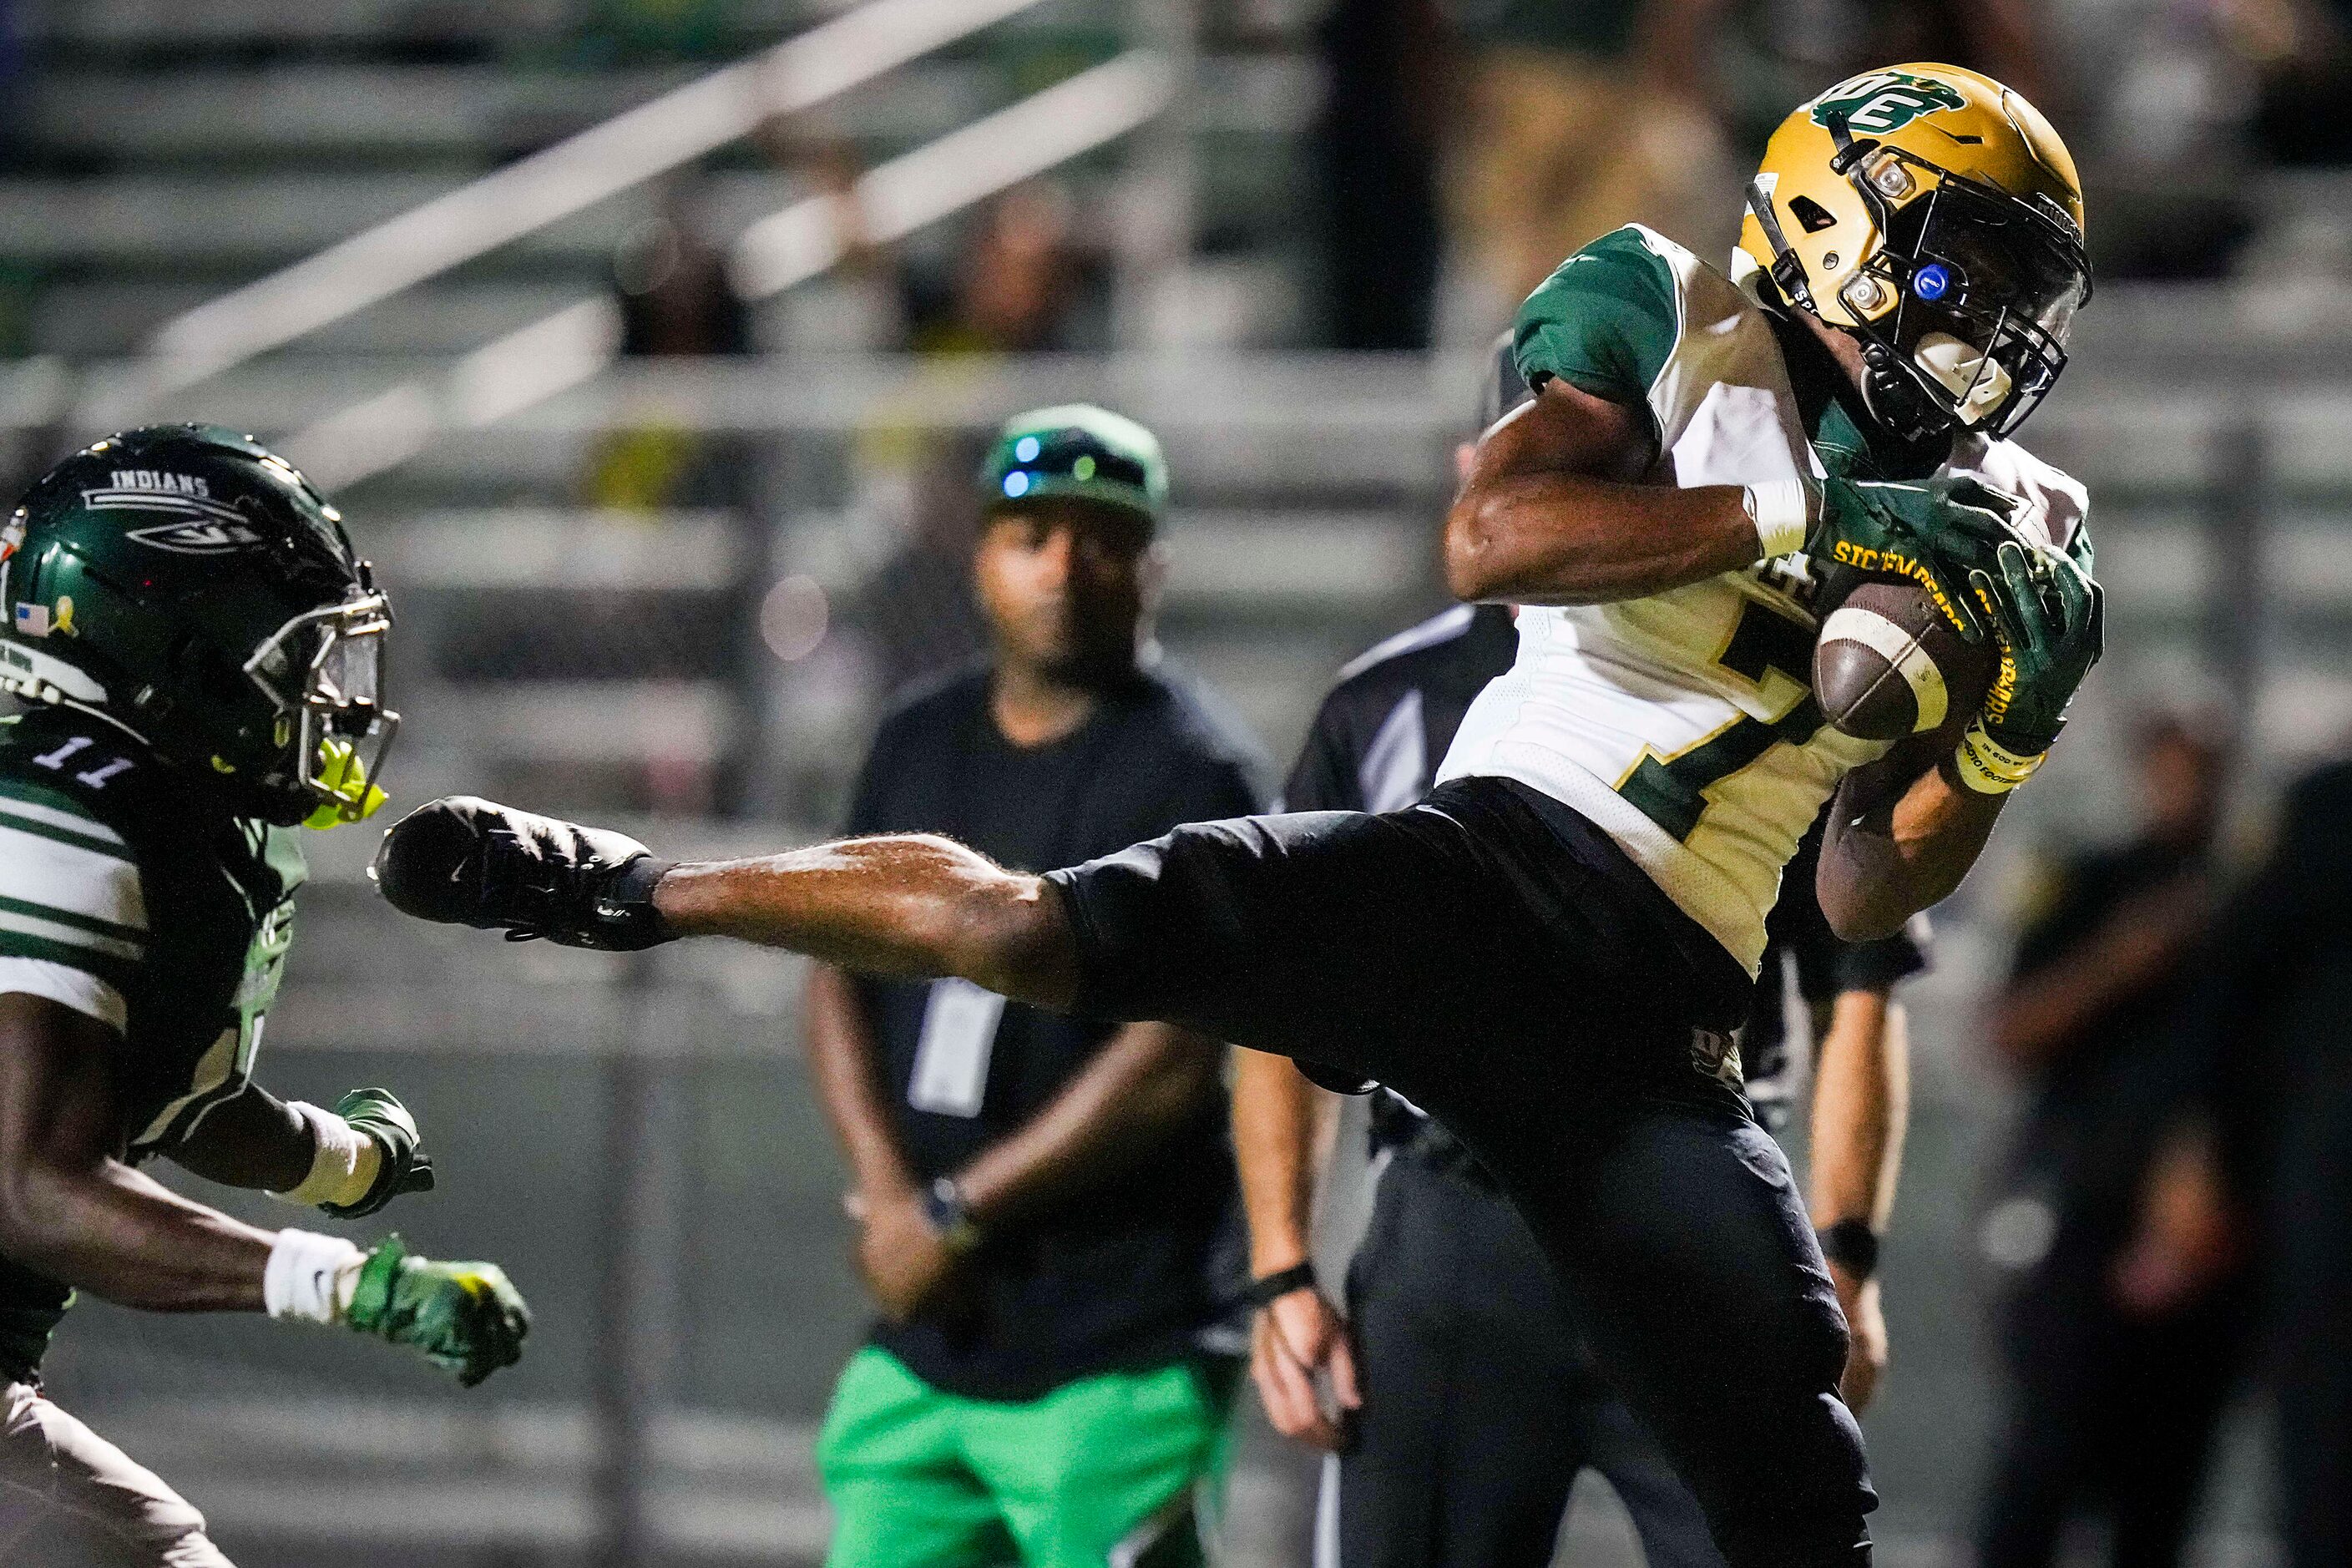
951	1058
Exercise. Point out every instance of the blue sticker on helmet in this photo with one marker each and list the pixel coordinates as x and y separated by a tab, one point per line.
1016	483
1026	449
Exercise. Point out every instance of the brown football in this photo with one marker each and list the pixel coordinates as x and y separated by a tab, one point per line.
1887	663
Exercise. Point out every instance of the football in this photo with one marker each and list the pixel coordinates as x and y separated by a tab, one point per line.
1888	663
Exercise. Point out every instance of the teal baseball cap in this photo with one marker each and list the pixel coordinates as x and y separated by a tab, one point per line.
1076	450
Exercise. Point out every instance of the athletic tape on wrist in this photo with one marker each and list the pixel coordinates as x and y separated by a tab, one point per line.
344	1165
311	1277
1988	767
1781	511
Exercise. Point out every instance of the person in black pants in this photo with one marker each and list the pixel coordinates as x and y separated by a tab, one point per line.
1550	953
1457	1397
2120	1358
2272	1062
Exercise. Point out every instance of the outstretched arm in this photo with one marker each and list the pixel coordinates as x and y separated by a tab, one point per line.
1551	515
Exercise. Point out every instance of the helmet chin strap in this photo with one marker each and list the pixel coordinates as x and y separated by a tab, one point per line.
1787	271
1896	400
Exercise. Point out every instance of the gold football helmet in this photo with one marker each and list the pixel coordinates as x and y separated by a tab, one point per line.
1935	216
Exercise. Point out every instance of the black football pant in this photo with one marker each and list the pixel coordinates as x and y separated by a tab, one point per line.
1470	954
2110	1417
1481	1405
2307	1284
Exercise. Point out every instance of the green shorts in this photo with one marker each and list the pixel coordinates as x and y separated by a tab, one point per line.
1124	1470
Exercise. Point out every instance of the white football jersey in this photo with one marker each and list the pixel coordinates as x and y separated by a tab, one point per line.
1683	724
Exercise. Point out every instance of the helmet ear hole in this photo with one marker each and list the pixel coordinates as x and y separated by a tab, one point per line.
1811	215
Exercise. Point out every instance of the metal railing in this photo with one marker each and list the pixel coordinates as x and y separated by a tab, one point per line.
568	346
641	144
574	343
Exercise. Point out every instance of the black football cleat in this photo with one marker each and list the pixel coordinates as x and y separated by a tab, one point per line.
460	860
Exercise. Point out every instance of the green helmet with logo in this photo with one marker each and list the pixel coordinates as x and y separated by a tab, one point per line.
188	586
1079	451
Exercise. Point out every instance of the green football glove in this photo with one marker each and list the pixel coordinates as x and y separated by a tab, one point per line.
404	1167
464	1317
2050	617
1938	532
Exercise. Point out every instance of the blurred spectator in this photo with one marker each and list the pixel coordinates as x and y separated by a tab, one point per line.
2269	1018
1046	1206
15	73
1385	90
2302	53
2122	1307
856	306
919	616
671	284
1995	37
1579	118
1019	285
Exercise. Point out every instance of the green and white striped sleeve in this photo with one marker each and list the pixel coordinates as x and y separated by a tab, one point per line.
73	916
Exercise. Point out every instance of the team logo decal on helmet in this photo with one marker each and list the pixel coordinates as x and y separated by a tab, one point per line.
1884	100
201	525
196	538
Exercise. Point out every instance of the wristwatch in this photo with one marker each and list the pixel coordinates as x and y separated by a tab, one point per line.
945	1206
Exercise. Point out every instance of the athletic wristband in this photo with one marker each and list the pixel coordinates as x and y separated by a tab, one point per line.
1782	511
311	1277
1987	767
344	1164
1267	1290
1852	1245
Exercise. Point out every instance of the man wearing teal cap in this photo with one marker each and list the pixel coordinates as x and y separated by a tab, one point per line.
1043	1202
1078	451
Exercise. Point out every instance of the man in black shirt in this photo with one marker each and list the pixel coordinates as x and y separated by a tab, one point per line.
1045	1202
2268	1058
1484	1404
2118	1371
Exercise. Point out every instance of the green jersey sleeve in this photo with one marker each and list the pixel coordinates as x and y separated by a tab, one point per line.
1605	322
73	915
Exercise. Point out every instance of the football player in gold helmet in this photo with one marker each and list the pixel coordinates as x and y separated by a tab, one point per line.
1549	954
1935	216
